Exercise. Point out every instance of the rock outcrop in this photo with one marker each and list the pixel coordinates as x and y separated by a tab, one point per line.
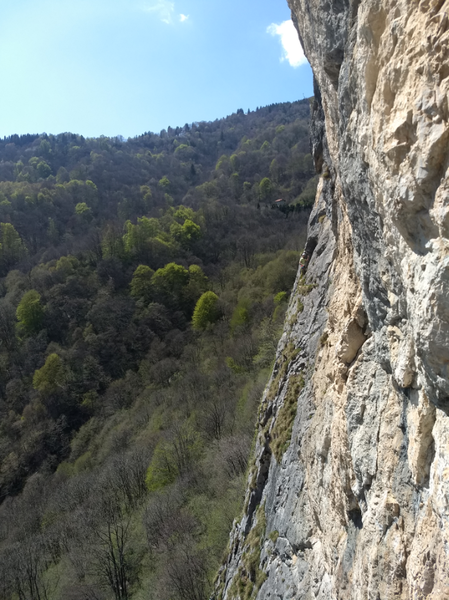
348	496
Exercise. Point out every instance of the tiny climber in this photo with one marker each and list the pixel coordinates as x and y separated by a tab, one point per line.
304	262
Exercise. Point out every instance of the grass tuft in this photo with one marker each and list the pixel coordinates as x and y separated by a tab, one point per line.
282	430
249	577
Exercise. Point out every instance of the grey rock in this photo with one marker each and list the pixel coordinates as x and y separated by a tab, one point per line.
358	497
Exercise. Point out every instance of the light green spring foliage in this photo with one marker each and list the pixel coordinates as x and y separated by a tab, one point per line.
67	265
4	202
275	275
141	282
43	169
170	279
150	228
162	469
174	458
143	236
223	163
187	226
182	213
186	234
12	248
146	194
281	297
82	209
131	239
172	283
81	191
112	243
30	313
185	152
241	315
206	311
49	378
266	189
164	183
235	162
280	300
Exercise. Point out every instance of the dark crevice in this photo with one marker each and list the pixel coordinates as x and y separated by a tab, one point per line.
301	546
261	480
355	515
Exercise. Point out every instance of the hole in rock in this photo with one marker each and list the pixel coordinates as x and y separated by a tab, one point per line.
355	516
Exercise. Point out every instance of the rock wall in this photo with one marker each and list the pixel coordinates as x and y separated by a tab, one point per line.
348	496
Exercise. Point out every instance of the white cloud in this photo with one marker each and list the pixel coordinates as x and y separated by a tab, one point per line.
290	42
164	9
183	18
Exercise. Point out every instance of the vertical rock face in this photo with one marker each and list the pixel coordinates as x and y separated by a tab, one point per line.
348	496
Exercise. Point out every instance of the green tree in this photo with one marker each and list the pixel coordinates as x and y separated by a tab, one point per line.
235	184
169	283
186	234
183	213
67	266
223	164
12	248
52	231
43	169
265	189
162	469
112	242
82	209
51	377
62	175
132	240
280	297
146	195
235	162
240	317
30	313
206	311
197	278
275	170
164	183
171	278
141	282
45	149
148	228
184	151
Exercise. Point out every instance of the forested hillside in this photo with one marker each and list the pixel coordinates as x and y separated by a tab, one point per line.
142	293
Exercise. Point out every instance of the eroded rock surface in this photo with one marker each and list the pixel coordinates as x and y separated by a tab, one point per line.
348	497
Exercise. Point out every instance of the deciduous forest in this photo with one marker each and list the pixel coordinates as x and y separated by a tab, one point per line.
143	287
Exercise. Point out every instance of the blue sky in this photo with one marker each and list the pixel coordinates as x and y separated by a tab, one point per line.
122	67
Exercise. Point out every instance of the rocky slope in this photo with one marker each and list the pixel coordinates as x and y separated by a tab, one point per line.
348	496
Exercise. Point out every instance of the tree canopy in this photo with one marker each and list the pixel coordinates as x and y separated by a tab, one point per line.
206	311
143	286
30	312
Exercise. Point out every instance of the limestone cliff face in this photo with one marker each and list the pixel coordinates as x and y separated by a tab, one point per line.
348	497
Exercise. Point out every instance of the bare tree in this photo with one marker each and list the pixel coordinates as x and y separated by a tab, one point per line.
187	573
106	525
234	452
216	414
126	475
26	563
